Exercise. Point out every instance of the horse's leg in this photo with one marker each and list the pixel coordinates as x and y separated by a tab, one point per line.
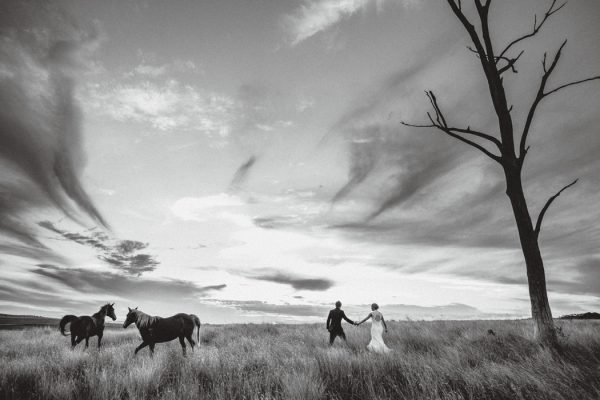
87	341
99	339
151	349
73	337
182	341
190	340
141	346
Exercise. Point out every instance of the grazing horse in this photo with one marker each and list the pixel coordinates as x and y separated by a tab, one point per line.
158	330
84	327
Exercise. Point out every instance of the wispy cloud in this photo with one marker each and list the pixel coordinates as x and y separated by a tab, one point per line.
298	283
42	55
241	174
166	105
101	284
315	16
121	254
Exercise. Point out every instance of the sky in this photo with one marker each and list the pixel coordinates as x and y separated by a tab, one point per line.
245	161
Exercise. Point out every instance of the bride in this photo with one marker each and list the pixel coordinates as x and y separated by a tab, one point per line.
378	325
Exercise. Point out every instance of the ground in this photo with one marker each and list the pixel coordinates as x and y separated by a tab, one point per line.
431	360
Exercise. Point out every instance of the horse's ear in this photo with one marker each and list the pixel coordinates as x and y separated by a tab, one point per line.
129	309
136	308
112	304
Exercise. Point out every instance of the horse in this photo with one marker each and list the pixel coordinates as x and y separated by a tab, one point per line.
84	327
158	330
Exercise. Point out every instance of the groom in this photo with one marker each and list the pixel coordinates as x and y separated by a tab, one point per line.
334	322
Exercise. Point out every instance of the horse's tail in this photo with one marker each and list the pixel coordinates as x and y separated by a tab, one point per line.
64	321
197	324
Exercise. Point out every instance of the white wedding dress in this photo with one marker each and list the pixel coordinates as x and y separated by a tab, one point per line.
376	344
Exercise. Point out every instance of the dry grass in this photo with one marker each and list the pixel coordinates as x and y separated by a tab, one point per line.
431	360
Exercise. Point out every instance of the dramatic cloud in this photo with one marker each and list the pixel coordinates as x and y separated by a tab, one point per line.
15	200
41	54
295	282
97	285
122	285
122	254
40	139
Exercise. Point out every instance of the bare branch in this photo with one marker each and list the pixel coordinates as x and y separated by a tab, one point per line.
593	78
483	10
538	224
510	63
441	124
538	97
457	9
536	27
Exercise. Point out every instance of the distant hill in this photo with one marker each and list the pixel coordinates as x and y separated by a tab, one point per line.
10	321
587	315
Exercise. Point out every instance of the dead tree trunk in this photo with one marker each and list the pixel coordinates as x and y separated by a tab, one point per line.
494	65
536	276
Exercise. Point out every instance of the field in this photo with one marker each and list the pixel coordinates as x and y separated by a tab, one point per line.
431	360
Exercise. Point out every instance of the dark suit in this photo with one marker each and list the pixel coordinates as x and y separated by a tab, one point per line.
334	324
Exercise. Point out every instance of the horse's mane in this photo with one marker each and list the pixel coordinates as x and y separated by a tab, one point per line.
143	320
104	307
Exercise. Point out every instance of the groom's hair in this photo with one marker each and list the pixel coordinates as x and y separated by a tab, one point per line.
338	304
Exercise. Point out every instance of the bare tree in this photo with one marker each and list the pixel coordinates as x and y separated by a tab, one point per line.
495	65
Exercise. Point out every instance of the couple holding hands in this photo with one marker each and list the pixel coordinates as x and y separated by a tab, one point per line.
334	326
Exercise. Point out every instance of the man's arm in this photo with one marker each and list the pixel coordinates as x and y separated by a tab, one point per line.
328	320
346	318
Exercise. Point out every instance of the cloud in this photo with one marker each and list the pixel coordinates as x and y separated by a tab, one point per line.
316	284
41	54
121	254
201	209
178	66
166	105
109	283
263	307
31	252
241	174
391	311
315	16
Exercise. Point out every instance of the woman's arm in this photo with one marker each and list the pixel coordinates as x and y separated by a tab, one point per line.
366	318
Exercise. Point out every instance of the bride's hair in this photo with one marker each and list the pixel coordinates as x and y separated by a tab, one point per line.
374	306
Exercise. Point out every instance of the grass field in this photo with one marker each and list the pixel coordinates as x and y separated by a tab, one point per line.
431	360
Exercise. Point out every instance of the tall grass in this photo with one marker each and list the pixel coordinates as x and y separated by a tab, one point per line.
431	360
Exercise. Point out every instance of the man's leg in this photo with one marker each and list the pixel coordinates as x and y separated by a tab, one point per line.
332	335
342	334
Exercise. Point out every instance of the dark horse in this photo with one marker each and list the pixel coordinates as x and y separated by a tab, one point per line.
84	327
157	329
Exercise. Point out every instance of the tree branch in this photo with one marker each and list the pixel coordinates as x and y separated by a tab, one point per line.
538	97
440	123
536	27
538	224
457	9
571	84
510	63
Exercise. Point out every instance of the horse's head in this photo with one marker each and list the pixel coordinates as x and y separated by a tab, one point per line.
131	317
110	311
